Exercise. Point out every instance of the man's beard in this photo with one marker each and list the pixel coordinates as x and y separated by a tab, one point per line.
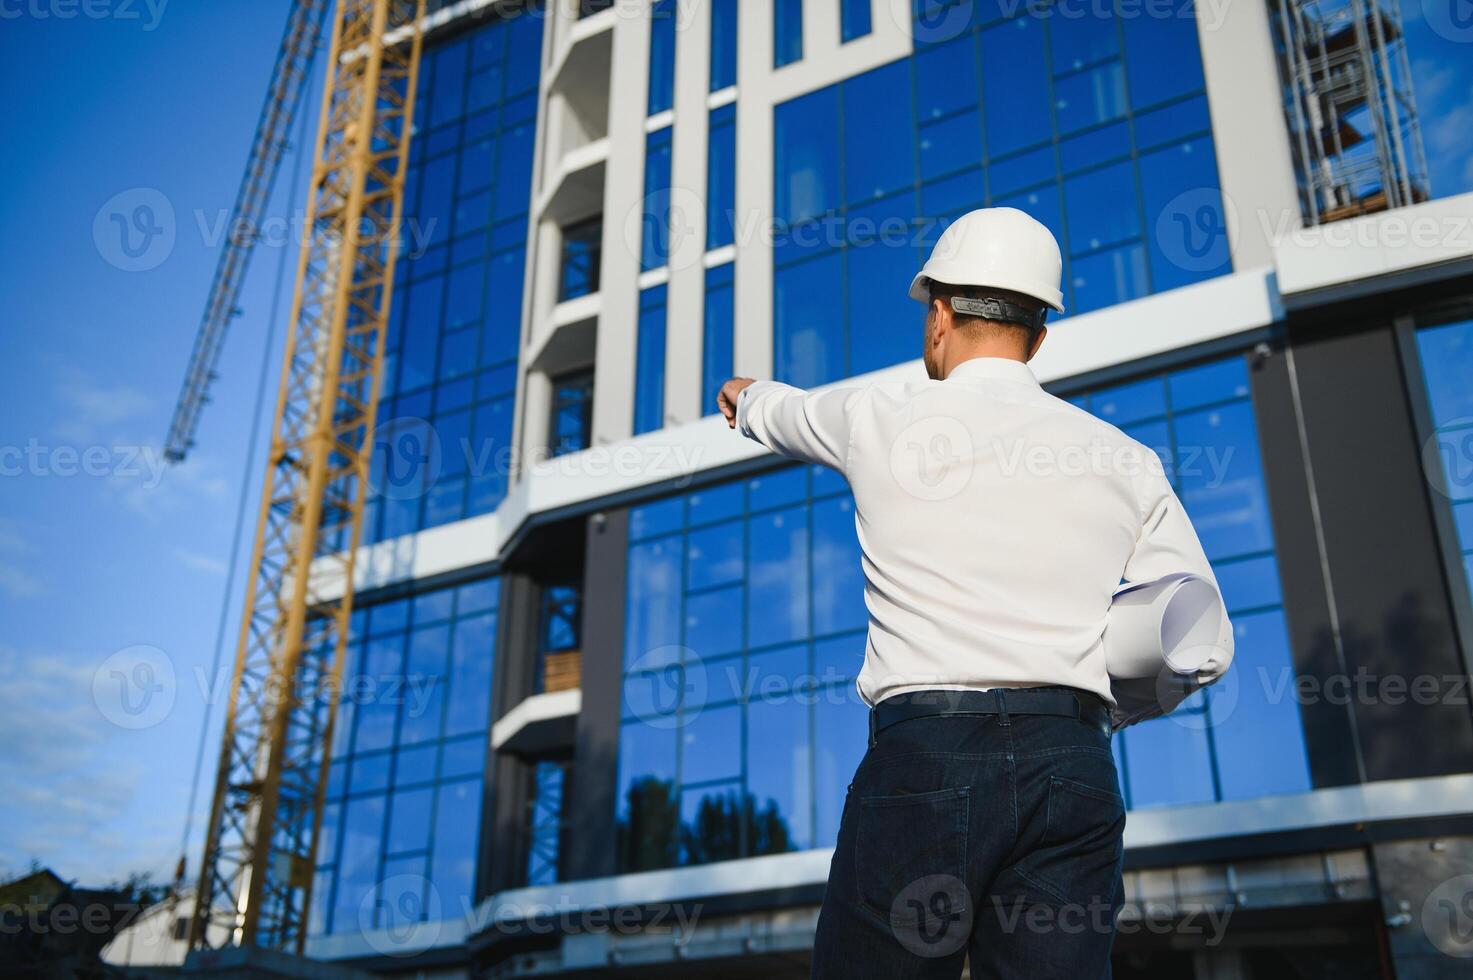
933	370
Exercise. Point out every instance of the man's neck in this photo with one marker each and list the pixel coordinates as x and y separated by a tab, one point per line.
1007	352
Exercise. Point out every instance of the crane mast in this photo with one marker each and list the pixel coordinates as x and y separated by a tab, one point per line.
265	817
288	82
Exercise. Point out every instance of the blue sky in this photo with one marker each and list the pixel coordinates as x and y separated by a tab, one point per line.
154	102
154	105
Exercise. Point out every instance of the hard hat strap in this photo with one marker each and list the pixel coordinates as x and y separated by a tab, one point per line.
991	308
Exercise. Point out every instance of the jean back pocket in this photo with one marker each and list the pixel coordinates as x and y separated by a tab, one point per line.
1079	855
910	853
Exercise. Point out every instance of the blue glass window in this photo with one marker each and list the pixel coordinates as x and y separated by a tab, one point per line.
411	740
1240	738
994	108
649	365
662	56
581	258
721	177
445	402
717	336
787	32
1447	364
731	657
806	141
545	824
1013	62
803	315
879	145
723	44
655	250
854	19
572	413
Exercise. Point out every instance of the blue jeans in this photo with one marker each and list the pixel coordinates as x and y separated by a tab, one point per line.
996	836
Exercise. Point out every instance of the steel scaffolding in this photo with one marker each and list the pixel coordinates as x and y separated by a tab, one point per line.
1351	109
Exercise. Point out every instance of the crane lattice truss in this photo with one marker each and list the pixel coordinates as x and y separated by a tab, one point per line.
260	848
294	60
1348	92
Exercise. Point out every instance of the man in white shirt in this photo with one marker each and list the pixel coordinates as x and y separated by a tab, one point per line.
995	523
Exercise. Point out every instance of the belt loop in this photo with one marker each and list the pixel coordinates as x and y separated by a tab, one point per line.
871	727
1002	707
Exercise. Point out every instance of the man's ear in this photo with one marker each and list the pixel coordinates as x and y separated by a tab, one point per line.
1037	342
940	319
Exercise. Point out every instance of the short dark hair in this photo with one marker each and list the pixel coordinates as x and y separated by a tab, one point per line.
979	326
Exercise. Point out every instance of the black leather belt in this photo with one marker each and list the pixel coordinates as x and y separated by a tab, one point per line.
1064	702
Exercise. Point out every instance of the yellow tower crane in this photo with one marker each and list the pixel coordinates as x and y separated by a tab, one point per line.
256	877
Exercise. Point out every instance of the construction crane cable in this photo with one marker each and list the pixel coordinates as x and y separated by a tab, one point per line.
303	148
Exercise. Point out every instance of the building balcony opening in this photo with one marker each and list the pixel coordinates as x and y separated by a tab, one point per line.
560	631
571	426
582	253
578	96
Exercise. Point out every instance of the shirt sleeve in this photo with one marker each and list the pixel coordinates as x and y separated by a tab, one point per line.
1168	545
794	423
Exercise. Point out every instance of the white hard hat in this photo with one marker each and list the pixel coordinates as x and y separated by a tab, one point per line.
999	247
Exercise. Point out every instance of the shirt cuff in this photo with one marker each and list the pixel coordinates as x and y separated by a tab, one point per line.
742	408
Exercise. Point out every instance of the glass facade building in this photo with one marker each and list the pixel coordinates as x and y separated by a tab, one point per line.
1241	738
1093	126
402	823
625	675
1447	363
455	328
745	632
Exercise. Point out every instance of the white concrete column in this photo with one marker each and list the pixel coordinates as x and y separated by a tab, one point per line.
752	302
1245	99
614	359
684	315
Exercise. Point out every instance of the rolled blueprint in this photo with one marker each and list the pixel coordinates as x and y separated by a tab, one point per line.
1171	621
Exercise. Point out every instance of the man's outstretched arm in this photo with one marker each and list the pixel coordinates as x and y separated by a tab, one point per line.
789	421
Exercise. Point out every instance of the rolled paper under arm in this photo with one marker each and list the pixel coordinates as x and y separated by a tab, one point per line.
1172	621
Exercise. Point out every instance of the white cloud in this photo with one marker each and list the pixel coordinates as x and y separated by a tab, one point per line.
1433	80
1448	131
91	412
15	580
65	782
154	490
18	583
194	561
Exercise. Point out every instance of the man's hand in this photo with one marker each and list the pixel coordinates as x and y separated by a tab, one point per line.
726	399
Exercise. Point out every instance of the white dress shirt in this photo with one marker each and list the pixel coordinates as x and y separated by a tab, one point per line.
995	523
